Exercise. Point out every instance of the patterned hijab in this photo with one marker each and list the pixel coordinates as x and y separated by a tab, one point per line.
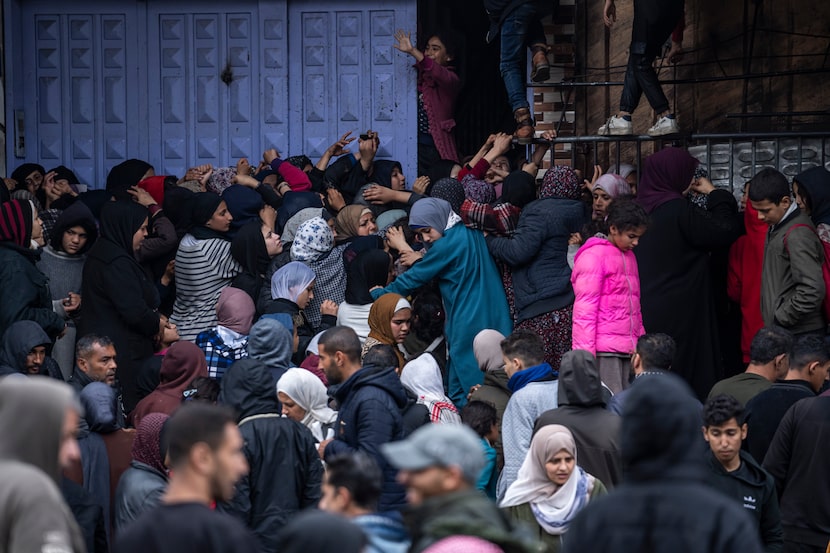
313	241
561	181
147	444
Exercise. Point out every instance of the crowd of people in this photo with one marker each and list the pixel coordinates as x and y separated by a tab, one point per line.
305	356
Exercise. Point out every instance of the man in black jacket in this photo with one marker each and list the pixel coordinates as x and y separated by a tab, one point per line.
370	399
23	350
736	473
285	473
582	410
798	458
661	505
809	364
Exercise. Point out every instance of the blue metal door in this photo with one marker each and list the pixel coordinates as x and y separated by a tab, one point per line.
202	81
349	78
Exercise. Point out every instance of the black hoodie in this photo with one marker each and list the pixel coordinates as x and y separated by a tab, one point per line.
662	504
581	409
370	402
20	339
285	474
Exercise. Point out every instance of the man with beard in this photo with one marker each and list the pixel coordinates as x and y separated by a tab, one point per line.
204	447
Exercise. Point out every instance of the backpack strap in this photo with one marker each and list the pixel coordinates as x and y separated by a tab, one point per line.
792	228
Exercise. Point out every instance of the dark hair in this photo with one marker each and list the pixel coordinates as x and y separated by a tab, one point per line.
626	214
202	389
525	345
196	423
408	233
657	351
722	408
808	349
358	473
382	356
85	346
344	340
428	316
480	416
769	343
448	38
769	184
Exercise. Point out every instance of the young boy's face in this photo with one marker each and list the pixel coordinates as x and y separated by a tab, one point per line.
771	213
725	440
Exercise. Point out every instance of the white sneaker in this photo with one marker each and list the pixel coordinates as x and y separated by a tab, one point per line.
664	125
616	126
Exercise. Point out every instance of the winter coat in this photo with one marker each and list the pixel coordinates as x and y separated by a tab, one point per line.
120	302
754	489
305	331
675	281
765	411
473	297
139	490
369	416
285	474
88	514
792	284
582	410
25	292
439	86
385	534
20	338
495	392
537	254
743	280
606	315
797	459
663	504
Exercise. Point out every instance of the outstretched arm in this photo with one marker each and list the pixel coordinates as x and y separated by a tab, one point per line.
405	45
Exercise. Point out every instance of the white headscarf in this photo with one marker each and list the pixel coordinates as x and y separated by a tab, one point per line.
308	392
423	377
553	506
290	281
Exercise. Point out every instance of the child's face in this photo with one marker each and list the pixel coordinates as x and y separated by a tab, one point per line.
626	239
437	52
493	435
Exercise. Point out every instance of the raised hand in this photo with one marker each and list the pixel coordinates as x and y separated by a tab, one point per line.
404	42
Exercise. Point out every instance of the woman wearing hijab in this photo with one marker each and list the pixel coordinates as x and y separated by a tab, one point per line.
389	323
62	261
125	175
501	217
182	363
143	484
204	265
253	247
121	301
469	284
368	269
487	350
292	291
24	289
304	399
29	178
422	377
551	487
228	341
674	260
352	221
537	255
314	246
812	194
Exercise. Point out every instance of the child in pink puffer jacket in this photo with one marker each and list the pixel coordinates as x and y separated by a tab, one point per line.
607	320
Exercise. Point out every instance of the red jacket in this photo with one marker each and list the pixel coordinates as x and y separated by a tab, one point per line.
743	284
439	86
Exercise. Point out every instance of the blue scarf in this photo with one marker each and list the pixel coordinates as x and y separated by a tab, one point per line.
531	374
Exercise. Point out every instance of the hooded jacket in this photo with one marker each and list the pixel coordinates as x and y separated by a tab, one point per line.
754	489
582	410
33	515
370	402
606	283
285	474
743	279
271	344
662	505
20	338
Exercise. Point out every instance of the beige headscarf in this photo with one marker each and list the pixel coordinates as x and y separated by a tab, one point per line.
487	350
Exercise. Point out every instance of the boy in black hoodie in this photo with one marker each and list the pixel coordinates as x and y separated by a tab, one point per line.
736	473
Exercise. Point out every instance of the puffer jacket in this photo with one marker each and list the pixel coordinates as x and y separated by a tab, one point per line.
606	283
285	474
370	415
538	252
25	294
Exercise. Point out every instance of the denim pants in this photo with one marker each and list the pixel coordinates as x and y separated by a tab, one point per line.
521	29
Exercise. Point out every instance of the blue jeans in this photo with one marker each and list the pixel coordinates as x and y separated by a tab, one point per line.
520	29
